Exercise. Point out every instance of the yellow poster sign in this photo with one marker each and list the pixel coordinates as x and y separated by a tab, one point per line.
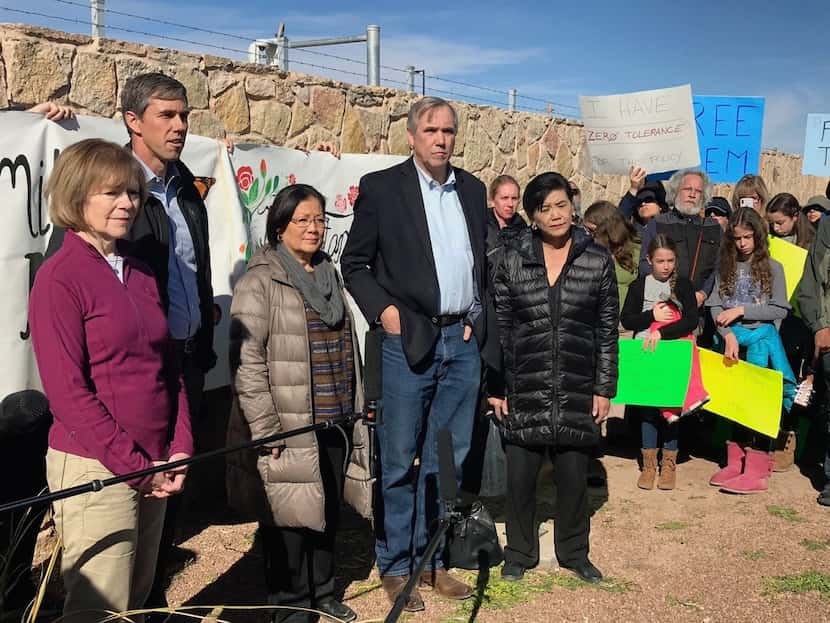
741	392
792	258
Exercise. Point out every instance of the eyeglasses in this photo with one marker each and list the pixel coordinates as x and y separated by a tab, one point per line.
304	222
692	189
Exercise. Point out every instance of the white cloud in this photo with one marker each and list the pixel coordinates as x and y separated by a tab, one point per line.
443	57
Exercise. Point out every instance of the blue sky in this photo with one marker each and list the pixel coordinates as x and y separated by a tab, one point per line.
546	50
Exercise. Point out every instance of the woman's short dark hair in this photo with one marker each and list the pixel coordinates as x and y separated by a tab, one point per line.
540	187
282	210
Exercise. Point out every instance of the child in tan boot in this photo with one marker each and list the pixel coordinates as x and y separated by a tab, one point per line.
667	466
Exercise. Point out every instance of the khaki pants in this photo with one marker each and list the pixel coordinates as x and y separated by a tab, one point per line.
110	540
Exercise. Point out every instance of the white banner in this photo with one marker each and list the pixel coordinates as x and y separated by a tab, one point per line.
260	172
29	146
650	129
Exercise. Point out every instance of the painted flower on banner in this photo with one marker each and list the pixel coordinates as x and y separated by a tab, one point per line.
292	179
353	191
244	178
255	190
341	204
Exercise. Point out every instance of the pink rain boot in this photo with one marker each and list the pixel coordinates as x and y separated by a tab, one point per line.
734	465
757	468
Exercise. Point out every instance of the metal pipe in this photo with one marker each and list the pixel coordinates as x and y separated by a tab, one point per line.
310	43
97	9
281	56
512	99
373	55
410	72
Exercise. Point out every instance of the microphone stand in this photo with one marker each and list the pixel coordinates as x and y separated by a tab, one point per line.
97	485
448	488
449	517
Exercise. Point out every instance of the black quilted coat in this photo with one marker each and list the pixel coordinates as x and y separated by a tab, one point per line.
558	351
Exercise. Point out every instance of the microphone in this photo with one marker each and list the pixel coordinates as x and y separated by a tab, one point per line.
447	483
373	374
24	413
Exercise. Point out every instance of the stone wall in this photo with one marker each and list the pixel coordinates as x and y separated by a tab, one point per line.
251	103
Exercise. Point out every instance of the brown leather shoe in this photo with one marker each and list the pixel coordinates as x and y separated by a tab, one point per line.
394	584
445	585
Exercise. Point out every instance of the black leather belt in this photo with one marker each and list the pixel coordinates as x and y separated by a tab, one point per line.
186	346
448	320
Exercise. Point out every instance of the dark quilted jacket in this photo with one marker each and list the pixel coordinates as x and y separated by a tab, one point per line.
553	369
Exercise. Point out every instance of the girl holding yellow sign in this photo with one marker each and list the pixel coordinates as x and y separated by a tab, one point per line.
748	300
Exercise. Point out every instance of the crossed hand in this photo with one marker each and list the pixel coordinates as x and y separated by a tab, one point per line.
166	483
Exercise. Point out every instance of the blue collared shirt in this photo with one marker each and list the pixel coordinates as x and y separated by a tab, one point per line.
183	313
451	247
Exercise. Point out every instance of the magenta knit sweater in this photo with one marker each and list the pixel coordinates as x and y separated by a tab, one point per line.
106	361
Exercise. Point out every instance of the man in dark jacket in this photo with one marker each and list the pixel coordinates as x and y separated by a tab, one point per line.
697	237
504	199
415	263
814	302
171	235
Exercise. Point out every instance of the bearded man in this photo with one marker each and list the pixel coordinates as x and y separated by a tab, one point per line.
697	237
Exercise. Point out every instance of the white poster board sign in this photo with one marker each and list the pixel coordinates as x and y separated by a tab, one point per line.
654	130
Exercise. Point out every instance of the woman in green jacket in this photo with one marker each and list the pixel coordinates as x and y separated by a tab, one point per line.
610	230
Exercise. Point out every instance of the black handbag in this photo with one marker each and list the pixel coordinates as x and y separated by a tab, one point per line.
473	541
494	464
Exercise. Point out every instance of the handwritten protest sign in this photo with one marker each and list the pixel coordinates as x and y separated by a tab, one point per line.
656	378
746	394
650	129
792	258
729	135
817	146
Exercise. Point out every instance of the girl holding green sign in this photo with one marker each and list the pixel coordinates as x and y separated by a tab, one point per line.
662	305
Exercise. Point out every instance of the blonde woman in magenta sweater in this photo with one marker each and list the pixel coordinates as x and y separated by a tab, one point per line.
101	342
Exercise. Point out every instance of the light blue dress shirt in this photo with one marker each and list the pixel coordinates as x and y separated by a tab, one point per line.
183	313
451	247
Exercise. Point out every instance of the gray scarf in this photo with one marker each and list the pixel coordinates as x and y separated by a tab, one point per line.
320	289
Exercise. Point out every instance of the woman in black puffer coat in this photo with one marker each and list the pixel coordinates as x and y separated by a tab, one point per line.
555	294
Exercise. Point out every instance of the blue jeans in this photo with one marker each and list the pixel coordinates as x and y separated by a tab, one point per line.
441	393
652	422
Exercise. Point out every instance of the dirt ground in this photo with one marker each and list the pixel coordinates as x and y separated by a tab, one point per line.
692	554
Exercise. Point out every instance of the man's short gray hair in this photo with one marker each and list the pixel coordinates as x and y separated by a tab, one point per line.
138	90
674	182
425	104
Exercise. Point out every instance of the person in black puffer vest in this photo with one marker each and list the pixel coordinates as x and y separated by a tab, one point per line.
555	294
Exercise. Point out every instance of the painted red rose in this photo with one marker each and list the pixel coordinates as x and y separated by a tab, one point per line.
292	179
340	204
353	191
244	178
263	168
